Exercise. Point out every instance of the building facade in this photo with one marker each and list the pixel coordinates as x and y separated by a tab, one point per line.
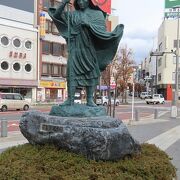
18	49
53	58
166	64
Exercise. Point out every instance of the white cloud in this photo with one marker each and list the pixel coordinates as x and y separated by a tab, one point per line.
142	19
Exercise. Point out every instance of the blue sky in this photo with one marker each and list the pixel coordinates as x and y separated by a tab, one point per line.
142	19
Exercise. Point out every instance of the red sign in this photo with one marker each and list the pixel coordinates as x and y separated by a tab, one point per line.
104	5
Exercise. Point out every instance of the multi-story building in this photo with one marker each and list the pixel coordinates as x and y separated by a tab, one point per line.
18	48
167	42
53	58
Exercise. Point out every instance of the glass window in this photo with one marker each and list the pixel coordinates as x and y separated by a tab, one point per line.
4	65
46	48
159	77
159	61
47	4
16	66
175	43
55	69
28	44
56	4
56	49
17	97
45	69
63	71
9	96
64	50
4	41
173	76
48	26
54	29
28	67
17	42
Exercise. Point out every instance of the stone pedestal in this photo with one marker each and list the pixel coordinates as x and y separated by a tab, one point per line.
78	110
98	138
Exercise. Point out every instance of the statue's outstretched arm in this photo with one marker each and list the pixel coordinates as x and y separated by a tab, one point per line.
60	9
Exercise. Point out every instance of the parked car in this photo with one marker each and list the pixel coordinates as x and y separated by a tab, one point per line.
13	101
145	95
103	100
155	99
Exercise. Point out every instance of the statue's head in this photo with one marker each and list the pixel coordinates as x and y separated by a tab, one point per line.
81	4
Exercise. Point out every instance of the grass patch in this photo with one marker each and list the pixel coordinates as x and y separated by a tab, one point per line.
46	162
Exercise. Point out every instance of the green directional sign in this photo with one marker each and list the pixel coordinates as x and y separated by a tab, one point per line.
169	11
171	3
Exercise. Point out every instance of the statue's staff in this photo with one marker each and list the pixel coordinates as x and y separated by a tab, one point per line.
69	49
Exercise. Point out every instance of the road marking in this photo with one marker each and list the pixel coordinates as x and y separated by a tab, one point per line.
166	139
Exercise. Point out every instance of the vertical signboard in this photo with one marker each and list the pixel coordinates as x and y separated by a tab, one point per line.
170	11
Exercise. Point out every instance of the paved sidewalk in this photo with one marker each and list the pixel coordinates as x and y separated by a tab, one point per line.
13	139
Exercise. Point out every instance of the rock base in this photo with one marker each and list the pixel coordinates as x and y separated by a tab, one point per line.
98	138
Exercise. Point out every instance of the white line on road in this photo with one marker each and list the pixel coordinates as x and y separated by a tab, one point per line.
166	139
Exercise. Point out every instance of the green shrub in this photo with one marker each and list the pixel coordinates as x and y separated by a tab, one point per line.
27	162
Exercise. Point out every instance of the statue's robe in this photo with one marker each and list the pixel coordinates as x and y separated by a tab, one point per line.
91	47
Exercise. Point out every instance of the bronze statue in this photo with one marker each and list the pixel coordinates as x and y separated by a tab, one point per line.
90	47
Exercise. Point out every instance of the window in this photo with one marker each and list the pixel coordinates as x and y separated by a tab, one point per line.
28	44
9	96
46	48
64	50
48	26
56	4
16	66
56	49
28	67
159	77
175	43
45	69
159	61
17	97
47	4
173	76
17	43
4	65
63	71
55	70
54	29
4	40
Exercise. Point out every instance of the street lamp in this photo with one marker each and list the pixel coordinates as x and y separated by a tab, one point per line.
133	89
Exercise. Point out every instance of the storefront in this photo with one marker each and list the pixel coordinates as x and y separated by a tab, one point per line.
26	88
51	91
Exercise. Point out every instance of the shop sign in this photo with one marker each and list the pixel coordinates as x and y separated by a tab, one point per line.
18	55
52	84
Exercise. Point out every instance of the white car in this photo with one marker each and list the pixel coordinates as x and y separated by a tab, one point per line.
13	101
156	99
145	95
103	100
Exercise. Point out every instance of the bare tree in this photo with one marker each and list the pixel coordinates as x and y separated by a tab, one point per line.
122	68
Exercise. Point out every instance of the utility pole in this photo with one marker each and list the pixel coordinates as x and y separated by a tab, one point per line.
174	108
